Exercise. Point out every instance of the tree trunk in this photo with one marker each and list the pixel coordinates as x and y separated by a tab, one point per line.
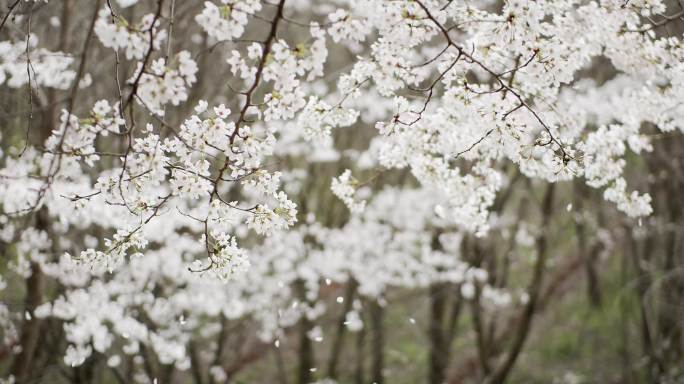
30	332
438	354
306	359
501	374
588	254
338	341
360	354
377	343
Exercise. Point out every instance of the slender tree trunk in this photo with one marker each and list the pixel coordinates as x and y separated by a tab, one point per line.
588	255
654	365
280	364
338	340
438	344
360	355
480	333
670	316
501	374
624	327
377	343
305	352
306	360
666	329
30	331
195	363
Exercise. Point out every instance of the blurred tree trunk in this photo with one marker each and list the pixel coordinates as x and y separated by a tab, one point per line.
587	253
643	279
534	291
338	339
438	357
627	370
665	163
360	354
30	331
306	360
377	342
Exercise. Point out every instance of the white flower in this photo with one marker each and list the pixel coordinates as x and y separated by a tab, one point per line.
201	106
344	187
221	111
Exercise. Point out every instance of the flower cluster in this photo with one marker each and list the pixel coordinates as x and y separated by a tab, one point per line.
162	84
136	40
227	21
193	182
22	62
344	186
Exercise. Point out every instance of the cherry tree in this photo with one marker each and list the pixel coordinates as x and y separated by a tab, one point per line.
185	186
